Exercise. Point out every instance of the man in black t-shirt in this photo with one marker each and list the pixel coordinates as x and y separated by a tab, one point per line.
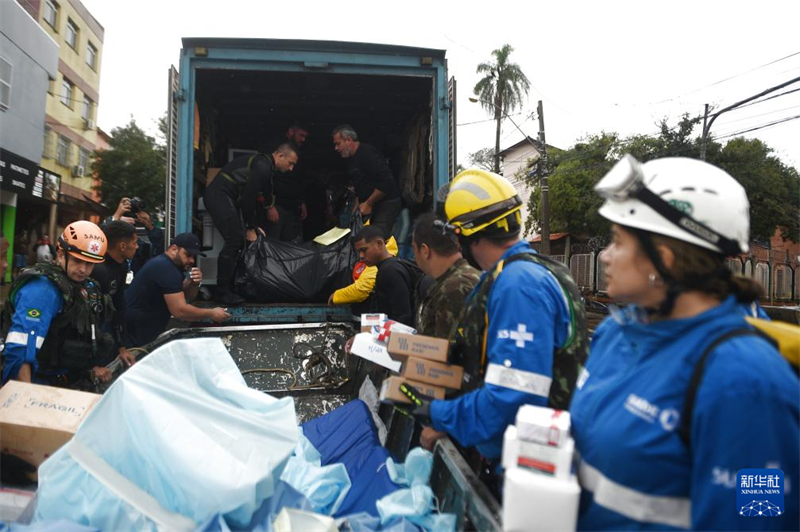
399	285
238	192
376	189
160	290
112	276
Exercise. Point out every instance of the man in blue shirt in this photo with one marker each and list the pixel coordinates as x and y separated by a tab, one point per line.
160	290
517	338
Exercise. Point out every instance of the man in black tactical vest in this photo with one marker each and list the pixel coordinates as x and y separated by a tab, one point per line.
53	316
234	197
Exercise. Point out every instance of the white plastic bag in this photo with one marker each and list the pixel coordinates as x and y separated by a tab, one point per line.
177	439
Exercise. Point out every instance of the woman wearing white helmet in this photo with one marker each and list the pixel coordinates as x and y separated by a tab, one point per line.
679	393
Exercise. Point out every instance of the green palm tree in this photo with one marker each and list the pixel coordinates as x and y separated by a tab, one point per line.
501	90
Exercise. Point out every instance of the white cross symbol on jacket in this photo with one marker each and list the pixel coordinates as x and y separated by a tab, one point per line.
521	335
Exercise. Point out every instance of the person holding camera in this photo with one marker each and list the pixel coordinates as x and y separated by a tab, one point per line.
150	237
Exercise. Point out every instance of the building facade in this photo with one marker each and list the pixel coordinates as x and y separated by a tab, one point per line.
515	159
28	192
70	137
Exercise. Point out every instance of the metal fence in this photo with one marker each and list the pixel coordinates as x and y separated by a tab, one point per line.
762	275
735	265
582	268
781	283
602	284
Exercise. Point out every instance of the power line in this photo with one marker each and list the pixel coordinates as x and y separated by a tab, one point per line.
769	98
764	126
762	114
728	78
486	120
530	115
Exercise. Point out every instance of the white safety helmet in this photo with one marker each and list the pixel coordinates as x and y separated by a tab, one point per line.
704	193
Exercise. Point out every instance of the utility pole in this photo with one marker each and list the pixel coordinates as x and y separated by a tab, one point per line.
709	120
704	140
544	248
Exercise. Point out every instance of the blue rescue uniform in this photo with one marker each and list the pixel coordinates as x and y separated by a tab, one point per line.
35	304
528	321
635	470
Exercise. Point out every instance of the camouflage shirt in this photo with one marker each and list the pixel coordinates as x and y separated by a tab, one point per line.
438	313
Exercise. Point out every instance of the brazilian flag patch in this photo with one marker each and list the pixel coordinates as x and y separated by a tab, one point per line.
34	313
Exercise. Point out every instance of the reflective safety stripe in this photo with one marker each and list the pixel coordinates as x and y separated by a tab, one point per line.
519	380
633	504
20	338
14	337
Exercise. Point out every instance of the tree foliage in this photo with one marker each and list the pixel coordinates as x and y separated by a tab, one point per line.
572	174
134	165
772	187
483	159
501	90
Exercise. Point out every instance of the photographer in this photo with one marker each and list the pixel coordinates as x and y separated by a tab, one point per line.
150	237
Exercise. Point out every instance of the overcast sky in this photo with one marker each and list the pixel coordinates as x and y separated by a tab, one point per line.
597	65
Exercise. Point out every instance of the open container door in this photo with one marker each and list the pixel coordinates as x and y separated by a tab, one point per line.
170	203
452	158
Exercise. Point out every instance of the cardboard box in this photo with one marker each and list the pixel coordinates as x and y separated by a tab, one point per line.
543	425
419	346
369	320
365	346
430	372
533	503
390	327
539	458
35	420
390	390
13	502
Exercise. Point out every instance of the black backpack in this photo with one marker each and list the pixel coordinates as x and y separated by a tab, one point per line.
420	281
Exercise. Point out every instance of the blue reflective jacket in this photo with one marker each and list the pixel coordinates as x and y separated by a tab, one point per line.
635	471
36	303
528	321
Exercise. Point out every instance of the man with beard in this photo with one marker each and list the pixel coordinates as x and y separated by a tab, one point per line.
284	220
160	290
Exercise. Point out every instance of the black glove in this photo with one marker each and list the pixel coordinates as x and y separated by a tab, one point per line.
420	404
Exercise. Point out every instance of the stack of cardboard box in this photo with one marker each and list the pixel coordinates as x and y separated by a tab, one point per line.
540	491
422	360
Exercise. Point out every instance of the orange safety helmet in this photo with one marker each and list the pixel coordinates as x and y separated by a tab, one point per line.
84	240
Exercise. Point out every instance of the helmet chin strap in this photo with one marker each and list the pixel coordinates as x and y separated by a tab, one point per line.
466	251
674	288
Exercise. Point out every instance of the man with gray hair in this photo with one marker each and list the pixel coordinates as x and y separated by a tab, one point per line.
376	189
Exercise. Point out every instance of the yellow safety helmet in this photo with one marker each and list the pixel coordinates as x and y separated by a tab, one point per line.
479	200
85	241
